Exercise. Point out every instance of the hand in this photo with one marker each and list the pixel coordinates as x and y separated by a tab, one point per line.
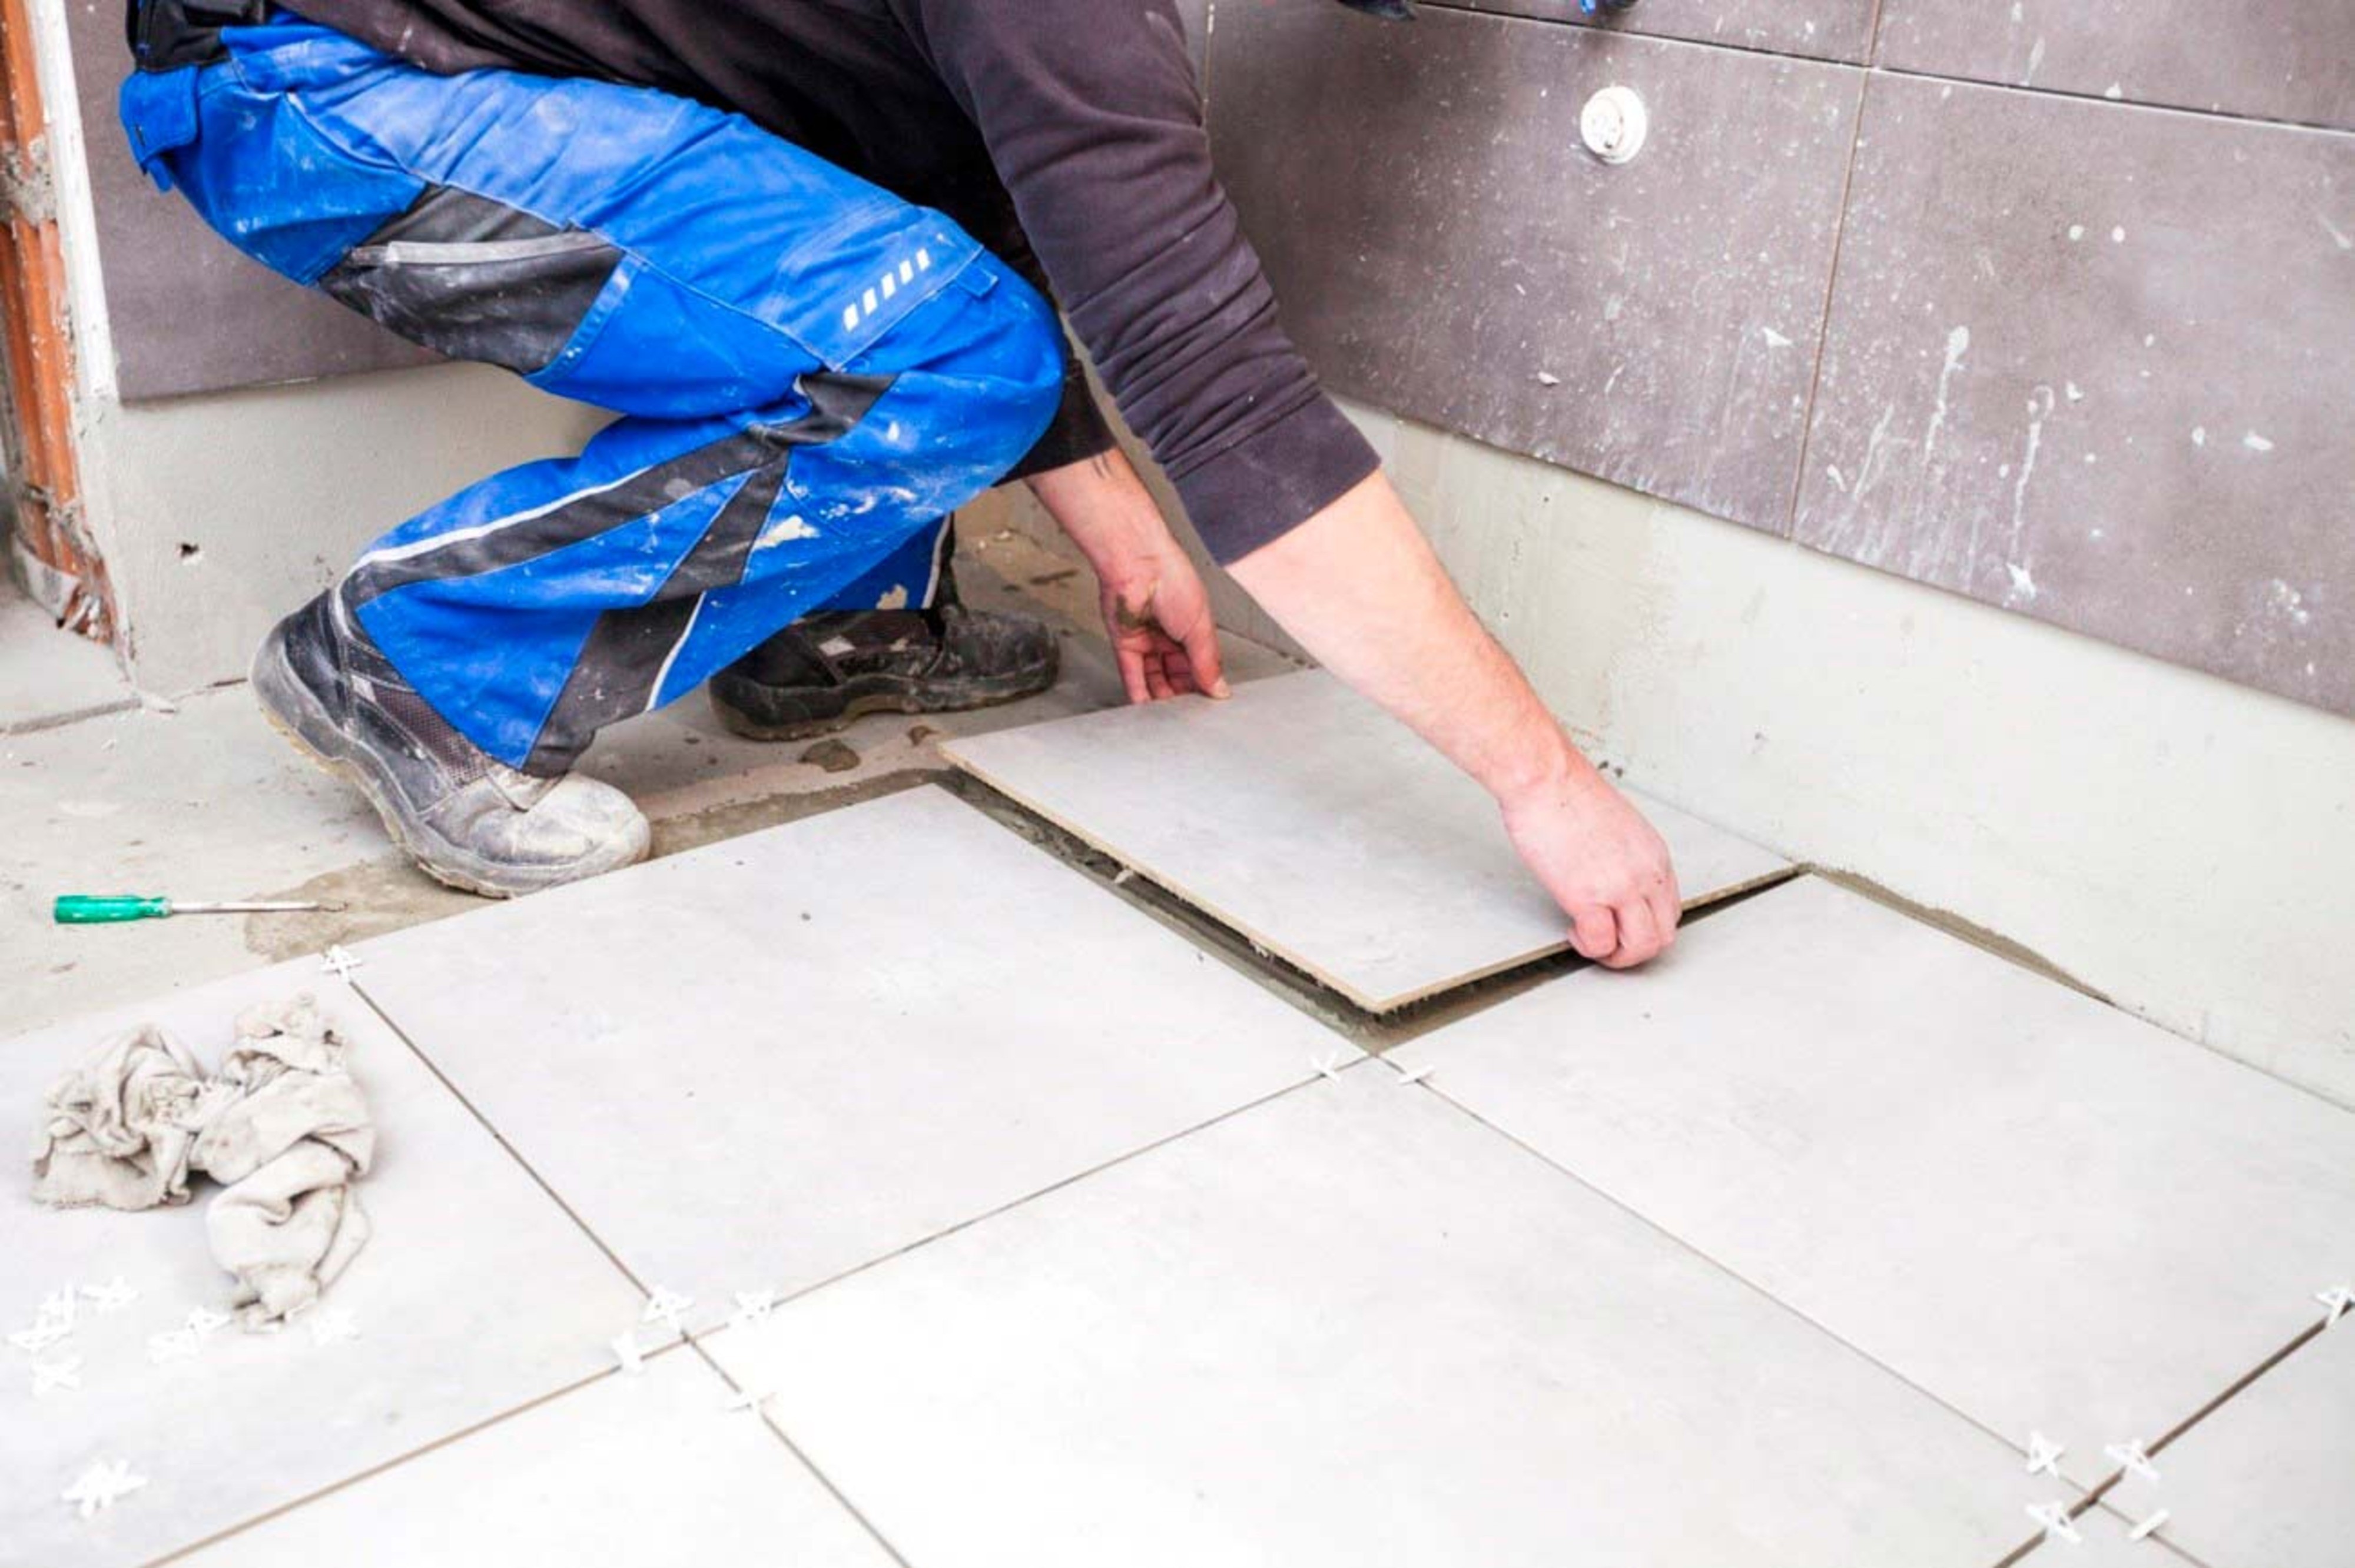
1158	617
1604	865
1154	609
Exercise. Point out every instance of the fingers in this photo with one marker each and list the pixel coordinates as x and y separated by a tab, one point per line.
1132	671
1594	932
1639	936
1665	914
1205	658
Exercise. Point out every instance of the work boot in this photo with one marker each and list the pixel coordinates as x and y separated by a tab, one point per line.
465	816
826	670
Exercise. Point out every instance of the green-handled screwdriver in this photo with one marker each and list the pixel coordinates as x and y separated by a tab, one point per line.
113	908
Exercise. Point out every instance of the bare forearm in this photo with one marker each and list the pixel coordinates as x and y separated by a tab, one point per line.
1362	564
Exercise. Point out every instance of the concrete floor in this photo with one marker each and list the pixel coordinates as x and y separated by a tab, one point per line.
201	801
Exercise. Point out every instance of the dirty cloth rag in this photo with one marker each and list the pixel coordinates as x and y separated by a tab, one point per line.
283	1126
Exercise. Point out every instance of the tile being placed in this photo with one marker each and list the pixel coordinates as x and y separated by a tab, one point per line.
2049	1215
2266	1480
1353	1327
629	1470
1304	818
761	1064
473	1295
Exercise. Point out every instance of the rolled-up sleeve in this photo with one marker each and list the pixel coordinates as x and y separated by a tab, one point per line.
1091	115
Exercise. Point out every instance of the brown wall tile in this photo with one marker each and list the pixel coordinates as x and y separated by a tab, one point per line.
1820	29
2090	362
1444	245
2279	59
189	314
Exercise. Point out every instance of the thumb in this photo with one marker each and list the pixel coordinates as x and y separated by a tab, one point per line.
1201	644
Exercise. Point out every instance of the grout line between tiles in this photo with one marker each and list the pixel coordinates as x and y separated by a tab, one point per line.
2087	1494
2089	1498
779	1432
1872	64
1831	297
786	1299
500	1138
178	1552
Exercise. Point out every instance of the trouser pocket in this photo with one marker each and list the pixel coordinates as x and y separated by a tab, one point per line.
476	280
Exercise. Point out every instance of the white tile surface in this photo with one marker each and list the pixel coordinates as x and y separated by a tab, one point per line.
1302	816
734	1097
2047	1213
2267	1481
1354	1327
636	1471
475	1294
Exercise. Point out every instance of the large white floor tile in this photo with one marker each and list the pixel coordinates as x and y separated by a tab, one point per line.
1302	816
766	1062
2046	1213
640	1472
1353	1327
2268	1480
475	1294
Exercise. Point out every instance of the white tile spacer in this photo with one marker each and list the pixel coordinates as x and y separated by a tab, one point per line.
750	1399
1330	1067
2044	1455
40	1337
2338	1298
340	961
50	1376
111	1296
59	1307
1416	1076
2132	1456
2054	1519
626	1351
2148	1527
204	1322
103	1486
176	1345
665	1306
333	1326
751	1305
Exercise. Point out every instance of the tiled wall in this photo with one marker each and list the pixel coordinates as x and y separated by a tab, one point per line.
1970	306
1953	288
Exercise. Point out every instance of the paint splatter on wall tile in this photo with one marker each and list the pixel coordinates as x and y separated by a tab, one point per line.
2074	367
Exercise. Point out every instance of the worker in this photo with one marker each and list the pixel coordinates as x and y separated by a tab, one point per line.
805	249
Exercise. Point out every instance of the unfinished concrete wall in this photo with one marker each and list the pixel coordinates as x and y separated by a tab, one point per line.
1973	301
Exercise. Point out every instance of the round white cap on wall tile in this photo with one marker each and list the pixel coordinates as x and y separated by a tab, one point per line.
1615	123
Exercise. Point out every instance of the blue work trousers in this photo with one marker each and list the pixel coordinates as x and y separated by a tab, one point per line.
813	374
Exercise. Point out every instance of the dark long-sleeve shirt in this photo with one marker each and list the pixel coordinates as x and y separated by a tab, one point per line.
1065	135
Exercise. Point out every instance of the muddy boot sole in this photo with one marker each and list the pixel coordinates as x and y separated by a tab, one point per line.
296	713
804	714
